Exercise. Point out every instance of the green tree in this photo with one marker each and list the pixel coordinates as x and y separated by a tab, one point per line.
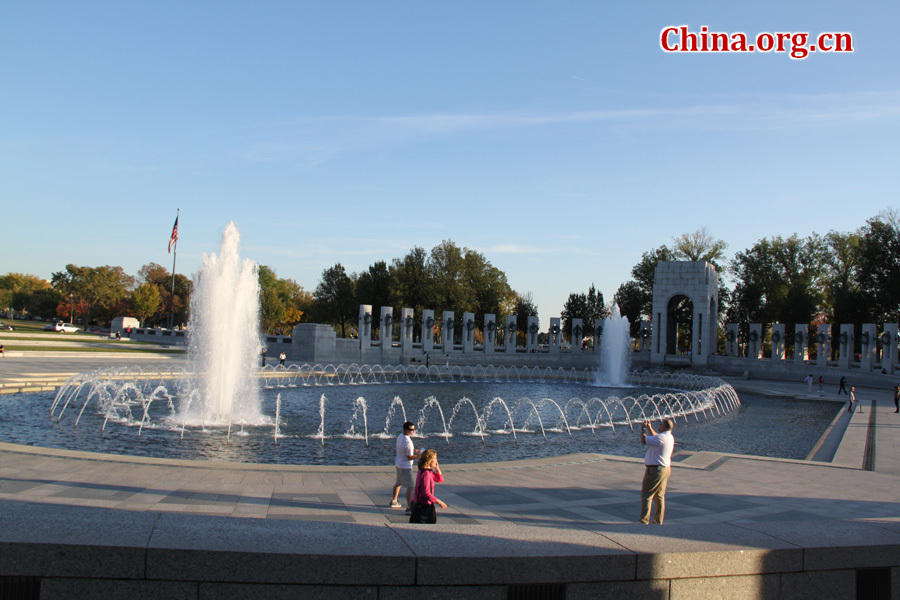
524	308
778	280
374	287
145	301
160	276
588	307
100	288
630	301
699	246
336	298
878	267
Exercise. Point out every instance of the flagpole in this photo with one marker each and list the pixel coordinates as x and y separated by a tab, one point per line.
174	257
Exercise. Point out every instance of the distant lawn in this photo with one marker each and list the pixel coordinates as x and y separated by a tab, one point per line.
68	337
145	350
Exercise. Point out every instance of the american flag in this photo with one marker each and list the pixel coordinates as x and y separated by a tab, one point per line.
174	237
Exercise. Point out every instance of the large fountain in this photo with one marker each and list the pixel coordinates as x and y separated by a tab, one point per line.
223	405
225	342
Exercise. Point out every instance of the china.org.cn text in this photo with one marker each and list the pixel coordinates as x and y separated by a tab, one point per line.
679	38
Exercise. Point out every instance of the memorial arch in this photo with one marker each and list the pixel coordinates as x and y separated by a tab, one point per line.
685	313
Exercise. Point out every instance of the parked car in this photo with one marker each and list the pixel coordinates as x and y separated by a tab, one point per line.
60	326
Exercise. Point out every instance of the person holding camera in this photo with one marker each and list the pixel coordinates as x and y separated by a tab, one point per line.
657	467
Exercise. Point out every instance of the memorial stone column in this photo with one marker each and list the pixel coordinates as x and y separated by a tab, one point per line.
407	324
510	333
428	331
845	346
778	341
555	335
448	326
801	344
490	334
755	341
731	339
364	328
868	346
531	334
823	345
468	332
577	335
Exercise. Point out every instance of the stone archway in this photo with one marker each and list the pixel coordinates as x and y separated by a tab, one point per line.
685	313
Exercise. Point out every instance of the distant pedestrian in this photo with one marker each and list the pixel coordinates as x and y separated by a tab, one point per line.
264	357
852	399
897	399
821	385
427	361
843	383
2	351
809	382
281	358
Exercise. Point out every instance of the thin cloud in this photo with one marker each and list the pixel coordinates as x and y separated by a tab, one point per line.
314	140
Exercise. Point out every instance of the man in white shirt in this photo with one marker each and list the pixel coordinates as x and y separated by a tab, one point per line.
657	467
403	465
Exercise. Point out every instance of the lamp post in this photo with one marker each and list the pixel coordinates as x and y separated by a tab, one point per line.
72	312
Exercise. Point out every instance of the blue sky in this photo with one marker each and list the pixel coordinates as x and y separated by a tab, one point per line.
556	138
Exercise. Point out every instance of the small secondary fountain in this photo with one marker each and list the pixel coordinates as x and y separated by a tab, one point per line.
614	350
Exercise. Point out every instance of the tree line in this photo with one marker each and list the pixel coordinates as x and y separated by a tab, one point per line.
839	277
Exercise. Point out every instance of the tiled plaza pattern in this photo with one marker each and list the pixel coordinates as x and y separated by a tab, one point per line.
747	526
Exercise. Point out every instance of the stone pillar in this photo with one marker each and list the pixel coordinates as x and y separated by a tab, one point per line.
510	333
845	346
868	347
531	334
646	334
490	334
386	326
731	339
555	335
755	342
468	332
365	325
448	326
778	341
428	331
598	334
823	345
889	347
407	323
801	344
577	335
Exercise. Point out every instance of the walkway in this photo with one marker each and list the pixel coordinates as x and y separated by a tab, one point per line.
716	502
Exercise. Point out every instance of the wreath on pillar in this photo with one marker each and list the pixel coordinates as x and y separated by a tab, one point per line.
429	322
470	325
885	338
449	324
554	329
844	338
388	319
577	331
754	336
512	327
730	335
798	337
409	321
367	318
533	328
776	336
865	338
821	338
491	326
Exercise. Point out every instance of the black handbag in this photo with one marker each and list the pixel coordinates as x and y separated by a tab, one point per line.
422	513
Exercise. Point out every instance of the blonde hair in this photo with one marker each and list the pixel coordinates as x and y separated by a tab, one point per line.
426	458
